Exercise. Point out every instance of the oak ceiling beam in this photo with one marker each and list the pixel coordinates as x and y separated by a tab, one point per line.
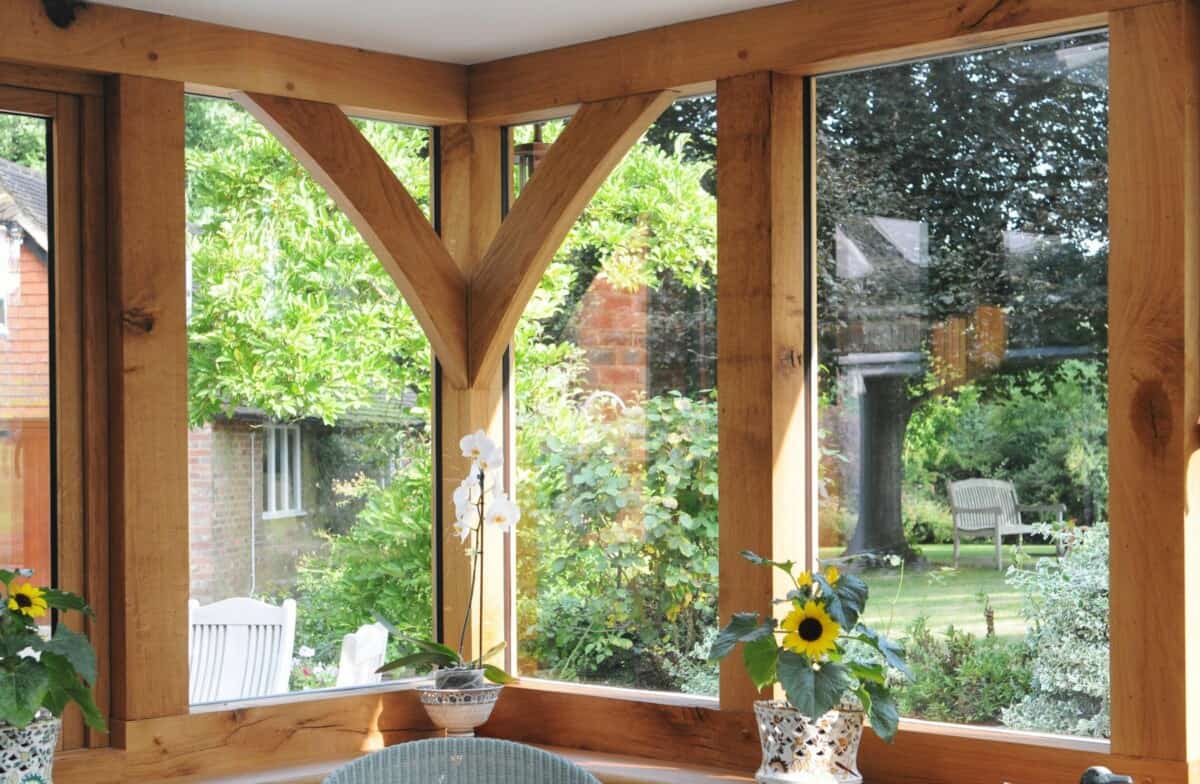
110	40
800	37
343	162
593	143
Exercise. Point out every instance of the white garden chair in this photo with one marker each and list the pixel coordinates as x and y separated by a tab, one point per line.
239	648
989	508
362	654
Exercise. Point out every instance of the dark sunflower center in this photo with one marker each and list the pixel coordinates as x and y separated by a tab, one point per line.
23	600
810	630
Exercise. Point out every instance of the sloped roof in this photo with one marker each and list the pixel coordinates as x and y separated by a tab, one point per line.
23	200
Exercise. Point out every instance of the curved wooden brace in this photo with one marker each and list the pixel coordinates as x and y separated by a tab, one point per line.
592	144
343	162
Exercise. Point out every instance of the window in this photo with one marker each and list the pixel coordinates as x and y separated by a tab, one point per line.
26	350
616	421
310	452
283	488
962	338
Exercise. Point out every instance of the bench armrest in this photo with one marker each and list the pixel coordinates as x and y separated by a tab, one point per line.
1048	508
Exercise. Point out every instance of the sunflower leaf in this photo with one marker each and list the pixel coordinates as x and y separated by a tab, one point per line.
742	627
891	651
76	649
812	692
867	672
882	710
758	560
761	658
22	690
845	599
61	600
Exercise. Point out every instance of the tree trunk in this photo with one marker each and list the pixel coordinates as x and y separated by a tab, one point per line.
886	409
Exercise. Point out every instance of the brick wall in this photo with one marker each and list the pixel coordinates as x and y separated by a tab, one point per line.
611	329
225	491
25	419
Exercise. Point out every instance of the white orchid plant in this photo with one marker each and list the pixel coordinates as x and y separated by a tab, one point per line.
479	503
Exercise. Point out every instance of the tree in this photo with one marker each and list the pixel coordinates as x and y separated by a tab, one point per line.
291	313
976	148
23	140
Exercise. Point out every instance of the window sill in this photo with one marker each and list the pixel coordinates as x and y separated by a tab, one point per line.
609	768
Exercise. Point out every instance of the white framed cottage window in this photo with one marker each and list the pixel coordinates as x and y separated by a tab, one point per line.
283	490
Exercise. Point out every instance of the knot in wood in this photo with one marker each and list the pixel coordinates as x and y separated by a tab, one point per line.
138	320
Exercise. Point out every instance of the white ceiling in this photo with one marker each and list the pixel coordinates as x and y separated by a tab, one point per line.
459	31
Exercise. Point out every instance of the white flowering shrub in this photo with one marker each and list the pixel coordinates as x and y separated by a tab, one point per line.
1065	604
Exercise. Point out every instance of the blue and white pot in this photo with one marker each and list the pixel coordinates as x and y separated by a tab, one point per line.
27	753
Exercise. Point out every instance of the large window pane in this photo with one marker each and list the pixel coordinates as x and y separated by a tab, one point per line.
26	485
963	254
615	368
309	449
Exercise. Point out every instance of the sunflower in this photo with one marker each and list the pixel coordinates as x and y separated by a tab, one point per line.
28	600
832	574
810	631
805	579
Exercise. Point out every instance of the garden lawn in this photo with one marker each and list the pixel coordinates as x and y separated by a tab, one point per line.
945	595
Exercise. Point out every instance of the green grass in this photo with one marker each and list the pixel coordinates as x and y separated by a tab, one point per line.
945	595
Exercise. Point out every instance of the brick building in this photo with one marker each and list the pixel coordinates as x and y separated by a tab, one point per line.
24	371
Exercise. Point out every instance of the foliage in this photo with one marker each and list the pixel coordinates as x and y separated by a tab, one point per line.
283	283
1065	603
926	514
23	140
621	530
38	673
961	678
381	564
819	659
1045	430
477	504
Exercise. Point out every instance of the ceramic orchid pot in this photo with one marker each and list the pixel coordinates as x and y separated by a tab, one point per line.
459	711
800	750
27	753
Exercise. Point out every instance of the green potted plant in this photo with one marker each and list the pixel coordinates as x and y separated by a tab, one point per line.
39	677
834	671
460	700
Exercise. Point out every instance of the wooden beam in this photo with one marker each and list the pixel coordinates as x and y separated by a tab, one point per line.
1154	379
148	398
470	188
804	36
761	333
923	752
364	187
96	397
110	40
594	142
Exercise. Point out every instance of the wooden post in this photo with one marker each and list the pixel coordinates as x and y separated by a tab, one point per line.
1154	380
469	192
148	398
760	330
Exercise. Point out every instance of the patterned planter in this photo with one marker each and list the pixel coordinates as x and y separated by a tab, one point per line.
798	750
27	753
459	711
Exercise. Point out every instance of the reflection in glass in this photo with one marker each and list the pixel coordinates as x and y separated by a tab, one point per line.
962	297
26	352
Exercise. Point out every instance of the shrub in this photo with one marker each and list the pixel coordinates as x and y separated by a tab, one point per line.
927	518
1065	603
382	563
958	677
1045	430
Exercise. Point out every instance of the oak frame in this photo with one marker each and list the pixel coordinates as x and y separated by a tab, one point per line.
78	370
1156	718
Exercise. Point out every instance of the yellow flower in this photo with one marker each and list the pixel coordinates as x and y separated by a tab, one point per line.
831	575
804	580
28	600
810	631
